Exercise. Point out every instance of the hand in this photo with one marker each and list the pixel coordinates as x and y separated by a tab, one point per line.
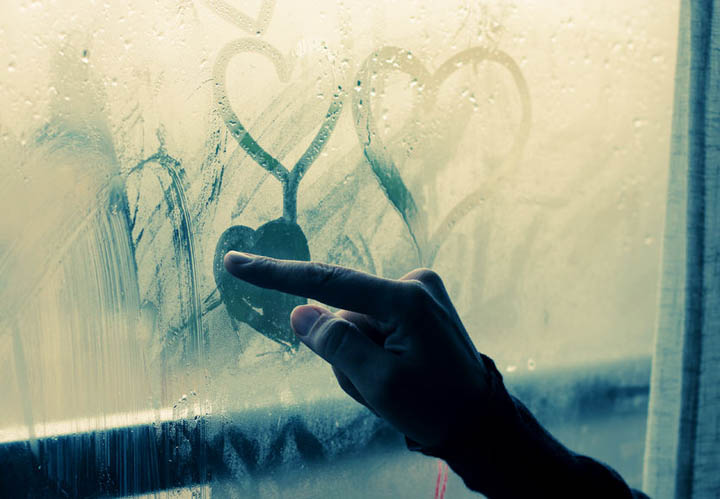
400	349
398	346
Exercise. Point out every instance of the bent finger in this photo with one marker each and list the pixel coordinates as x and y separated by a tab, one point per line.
350	389
341	344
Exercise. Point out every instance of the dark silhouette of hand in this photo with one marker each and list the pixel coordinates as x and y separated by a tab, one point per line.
398	346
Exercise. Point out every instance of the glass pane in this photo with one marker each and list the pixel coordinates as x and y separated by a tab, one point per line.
518	148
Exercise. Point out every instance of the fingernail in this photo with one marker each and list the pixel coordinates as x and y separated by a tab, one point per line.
303	318
237	258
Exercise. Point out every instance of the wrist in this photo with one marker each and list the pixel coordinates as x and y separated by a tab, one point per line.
500	450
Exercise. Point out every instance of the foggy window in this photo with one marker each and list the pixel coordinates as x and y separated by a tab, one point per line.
520	149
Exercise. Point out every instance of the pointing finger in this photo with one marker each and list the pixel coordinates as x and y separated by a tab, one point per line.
330	284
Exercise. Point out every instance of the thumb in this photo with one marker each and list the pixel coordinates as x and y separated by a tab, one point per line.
339	342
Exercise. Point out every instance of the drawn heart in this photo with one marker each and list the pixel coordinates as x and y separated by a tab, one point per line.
289	179
279	238
255	26
389	59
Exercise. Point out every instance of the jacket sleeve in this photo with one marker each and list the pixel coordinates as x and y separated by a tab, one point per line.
501	451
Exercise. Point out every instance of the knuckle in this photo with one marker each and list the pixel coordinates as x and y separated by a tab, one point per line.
323	273
334	337
266	264
428	276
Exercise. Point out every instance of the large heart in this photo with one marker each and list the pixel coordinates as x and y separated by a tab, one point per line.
389	59
243	21
279	238
283	66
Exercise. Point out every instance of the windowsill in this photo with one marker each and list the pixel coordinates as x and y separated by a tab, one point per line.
182	449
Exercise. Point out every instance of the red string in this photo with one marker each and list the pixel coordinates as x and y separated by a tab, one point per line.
437	480
442	478
445	479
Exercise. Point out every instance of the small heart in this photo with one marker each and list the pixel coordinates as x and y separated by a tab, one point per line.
389	59
279	238
255	26
289	178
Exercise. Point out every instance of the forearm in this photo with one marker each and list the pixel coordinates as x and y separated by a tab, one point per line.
503	452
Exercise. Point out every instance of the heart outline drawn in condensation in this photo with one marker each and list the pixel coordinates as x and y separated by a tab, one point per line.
388	59
290	179
280	238
256	26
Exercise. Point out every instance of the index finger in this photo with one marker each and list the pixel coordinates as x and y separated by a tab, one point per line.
330	284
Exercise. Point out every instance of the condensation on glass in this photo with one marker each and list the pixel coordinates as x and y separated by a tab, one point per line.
518	148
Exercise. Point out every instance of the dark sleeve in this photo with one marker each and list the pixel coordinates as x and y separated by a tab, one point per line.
501	450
